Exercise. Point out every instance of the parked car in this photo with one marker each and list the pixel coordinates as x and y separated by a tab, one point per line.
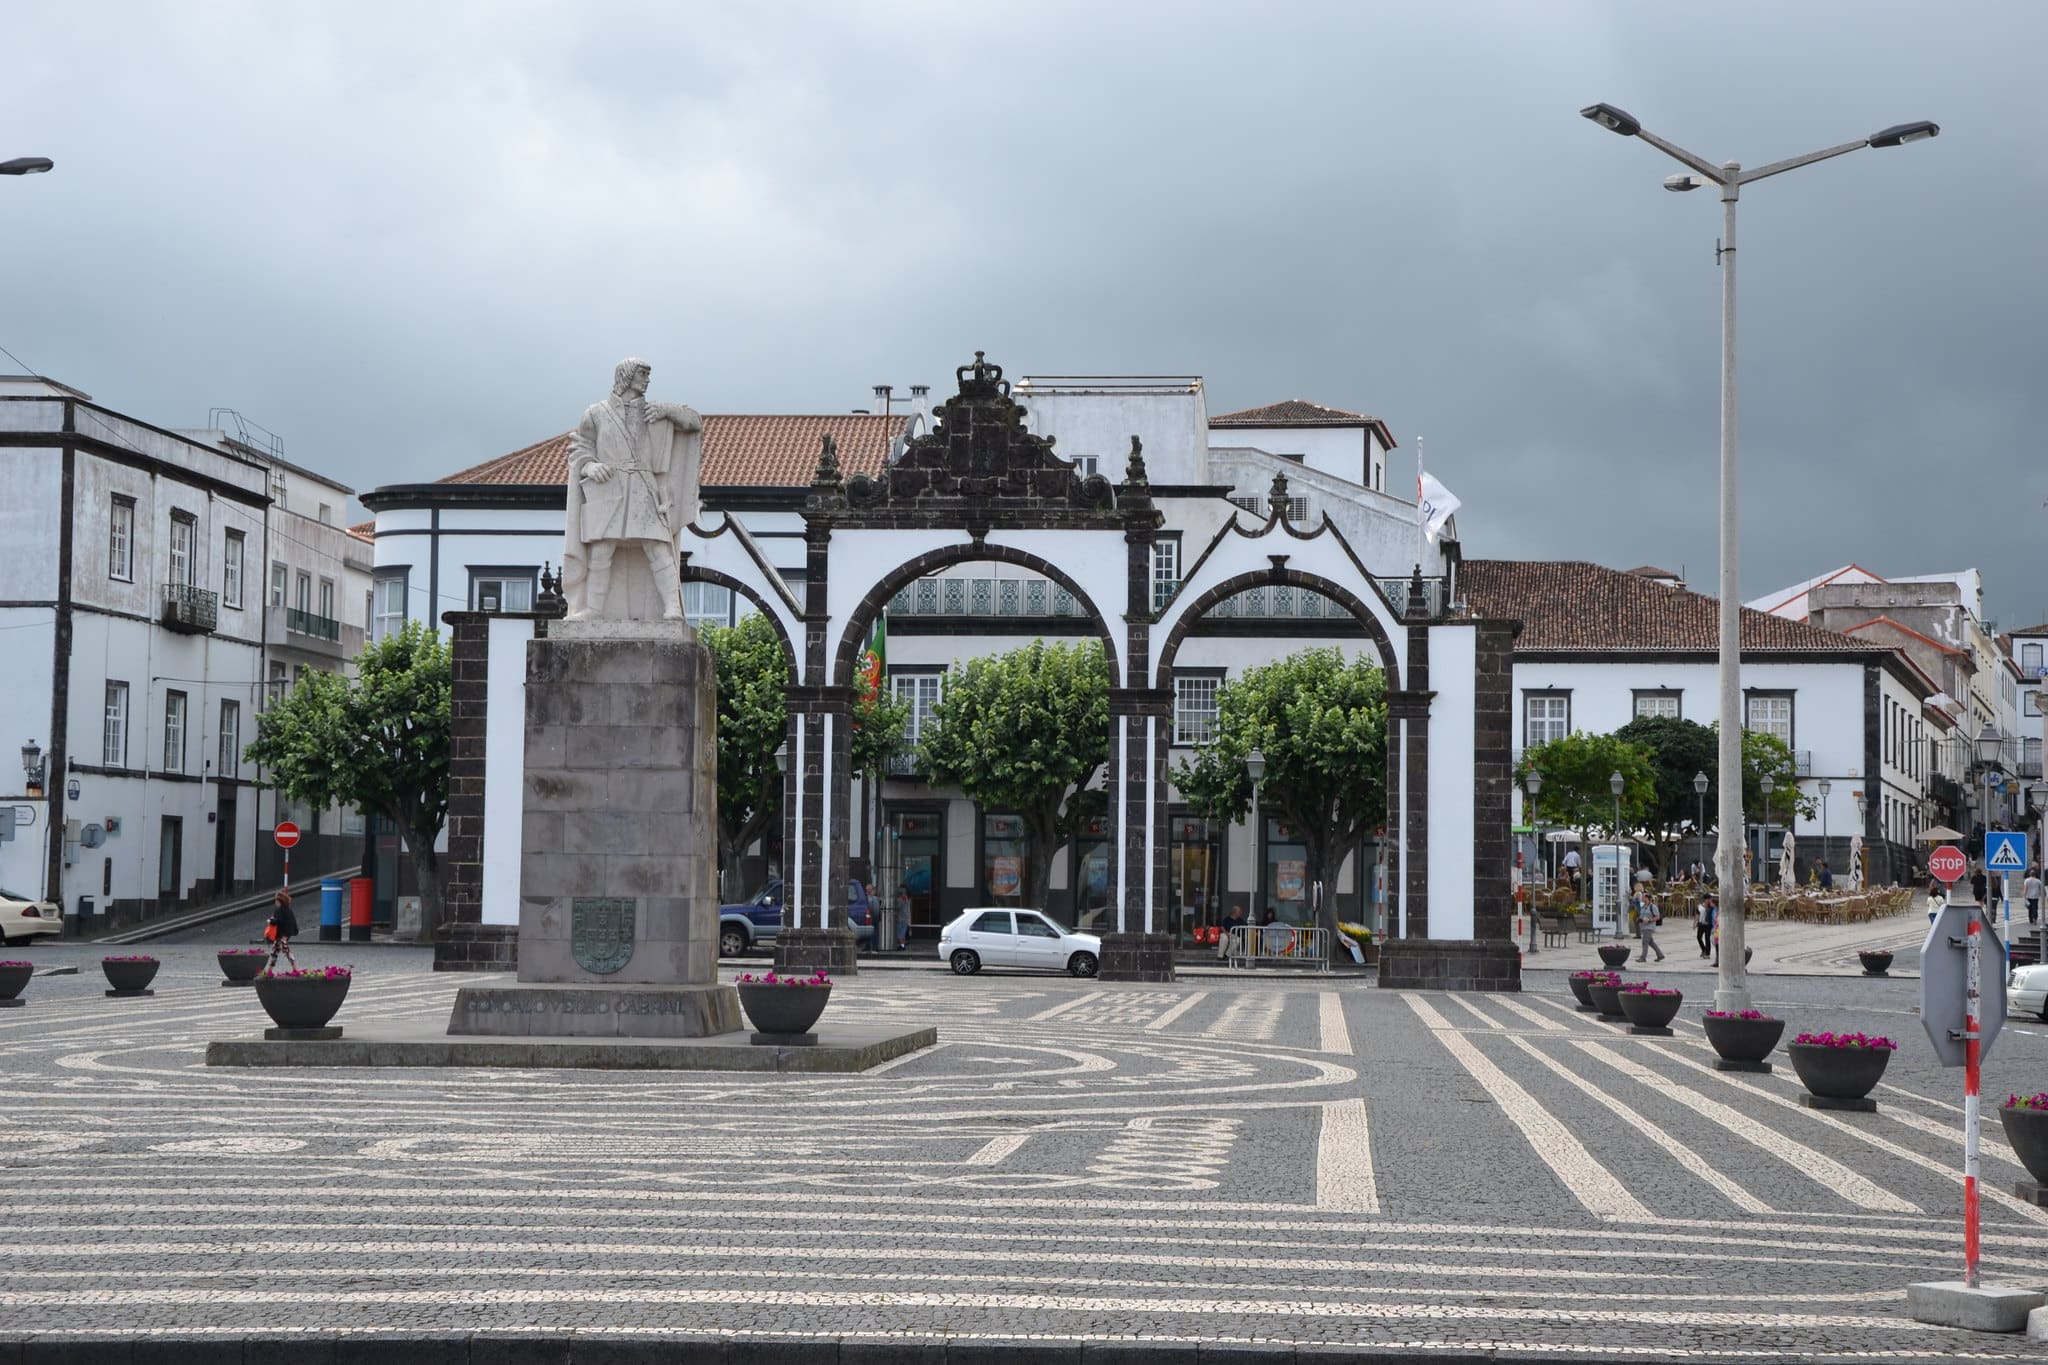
24	918
999	937
756	921
2026	992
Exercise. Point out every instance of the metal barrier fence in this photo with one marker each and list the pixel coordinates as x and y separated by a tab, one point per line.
1294	945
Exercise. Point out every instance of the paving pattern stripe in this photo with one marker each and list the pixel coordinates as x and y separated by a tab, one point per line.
1336	1035
1984	1188
1629	1257
1047	1303
358	1273
1166	1020
1582	1176
1344	1174
1853	1188
1986	1146
1676	1150
1939	1232
1056	1011
1548	1025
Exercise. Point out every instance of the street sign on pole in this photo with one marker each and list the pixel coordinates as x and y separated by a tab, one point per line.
1962	1007
287	834
2005	850
1948	863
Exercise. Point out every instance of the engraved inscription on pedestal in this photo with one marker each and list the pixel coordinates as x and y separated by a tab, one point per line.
601	932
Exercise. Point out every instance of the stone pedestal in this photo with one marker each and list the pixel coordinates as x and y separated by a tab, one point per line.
807	950
618	905
1137	957
1445	964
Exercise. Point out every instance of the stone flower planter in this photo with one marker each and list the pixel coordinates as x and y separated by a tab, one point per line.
303	1000
14	978
2026	1130
1838	1077
129	975
1744	1043
782	1009
1651	1011
1578	984
1876	962
1606	998
241	965
1614	954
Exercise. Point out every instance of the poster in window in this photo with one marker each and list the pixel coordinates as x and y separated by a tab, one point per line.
1003	878
1289	875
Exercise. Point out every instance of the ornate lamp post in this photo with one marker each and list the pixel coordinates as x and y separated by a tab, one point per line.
1699	791
1255	769
1733	993
1824	787
1533	781
1766	784
32	767
1862	806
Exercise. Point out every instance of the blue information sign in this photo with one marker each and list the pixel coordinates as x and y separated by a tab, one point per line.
2005	850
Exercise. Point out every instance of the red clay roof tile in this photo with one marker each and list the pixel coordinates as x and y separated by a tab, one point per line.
774	450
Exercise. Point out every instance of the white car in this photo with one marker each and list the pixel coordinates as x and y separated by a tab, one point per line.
2026	992
24	918
999	937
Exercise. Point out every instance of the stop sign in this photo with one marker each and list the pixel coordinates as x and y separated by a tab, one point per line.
288	834
1947	863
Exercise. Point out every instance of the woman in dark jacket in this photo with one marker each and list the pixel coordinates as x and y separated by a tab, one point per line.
285	926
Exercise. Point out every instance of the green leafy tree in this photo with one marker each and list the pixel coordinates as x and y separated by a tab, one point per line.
879	724
378	742
1577	789
753	717
1678	750
1027	732
1321	722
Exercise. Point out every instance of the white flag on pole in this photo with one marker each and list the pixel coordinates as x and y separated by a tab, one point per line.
1438	502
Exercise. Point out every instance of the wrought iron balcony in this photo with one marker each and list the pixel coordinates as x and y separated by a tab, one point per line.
299	622
189	610
1396	591
903	765
986	597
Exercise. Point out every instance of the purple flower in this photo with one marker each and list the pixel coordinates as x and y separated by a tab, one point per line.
1599	978
1845	1040
241	952
311	974
1739	1014
1645	988
17	964
817	978
136	957
2037	1100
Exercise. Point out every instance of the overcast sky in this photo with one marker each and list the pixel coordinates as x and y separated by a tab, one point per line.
407	238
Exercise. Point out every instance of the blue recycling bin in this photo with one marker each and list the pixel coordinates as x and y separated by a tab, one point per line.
332	892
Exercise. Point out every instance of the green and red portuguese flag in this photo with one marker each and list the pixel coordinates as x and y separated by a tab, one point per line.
873	661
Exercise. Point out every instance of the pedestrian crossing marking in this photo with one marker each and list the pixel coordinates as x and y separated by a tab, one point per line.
2005	852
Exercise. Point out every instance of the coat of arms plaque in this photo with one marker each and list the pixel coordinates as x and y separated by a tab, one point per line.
601	932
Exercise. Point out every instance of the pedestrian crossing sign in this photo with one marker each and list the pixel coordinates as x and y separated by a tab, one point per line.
2005	851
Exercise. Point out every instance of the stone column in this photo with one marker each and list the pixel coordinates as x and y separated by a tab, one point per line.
463	942
1140	948
819	800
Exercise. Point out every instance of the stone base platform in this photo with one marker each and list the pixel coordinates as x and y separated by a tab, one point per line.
1858	1106
2034	1194
1985	1308
129	995
1450	964
800	951
1731	1064
846	1049
558	1009
16	1003
322	1034
1136	957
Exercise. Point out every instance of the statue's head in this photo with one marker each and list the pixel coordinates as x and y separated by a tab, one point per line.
630	375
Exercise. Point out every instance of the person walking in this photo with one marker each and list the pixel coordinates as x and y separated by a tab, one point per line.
2030	889
1648	917
1703	925
902	918
281	929
1571	868
1979	883
1827	878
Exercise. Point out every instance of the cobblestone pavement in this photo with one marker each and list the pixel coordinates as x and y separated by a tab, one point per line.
1218	1160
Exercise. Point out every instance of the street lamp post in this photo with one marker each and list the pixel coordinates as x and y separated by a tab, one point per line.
1824	787
1766	784
1533	781
1255	769
1699	792
1733	992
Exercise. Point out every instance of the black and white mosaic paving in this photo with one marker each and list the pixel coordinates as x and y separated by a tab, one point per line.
1225	1159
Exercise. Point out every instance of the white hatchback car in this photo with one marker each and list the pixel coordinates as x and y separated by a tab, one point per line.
999	937
2026	992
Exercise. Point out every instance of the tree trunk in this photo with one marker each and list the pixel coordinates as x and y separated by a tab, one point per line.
427	869
1043	829
1329	861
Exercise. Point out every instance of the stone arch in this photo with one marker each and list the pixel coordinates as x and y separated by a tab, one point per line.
862	618
753	595
1390	659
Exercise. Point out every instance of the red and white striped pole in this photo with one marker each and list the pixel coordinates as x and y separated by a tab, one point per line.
1972	1011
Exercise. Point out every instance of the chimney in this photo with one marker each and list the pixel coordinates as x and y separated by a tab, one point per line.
882	392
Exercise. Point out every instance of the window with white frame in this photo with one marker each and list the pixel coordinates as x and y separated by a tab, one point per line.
389	616
1084	465
231	553
114	734
277	584
121	539
1165	570
707	604
501	590
1545	716
921	692
1194	707
277	684
2030	657
1656	702
302	592
1770	715
327	599
2030	702
184	548
230	738
174	732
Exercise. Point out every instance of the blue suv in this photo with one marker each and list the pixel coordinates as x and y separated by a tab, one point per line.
756	921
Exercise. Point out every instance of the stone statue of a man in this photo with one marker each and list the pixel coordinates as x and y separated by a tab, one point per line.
633	469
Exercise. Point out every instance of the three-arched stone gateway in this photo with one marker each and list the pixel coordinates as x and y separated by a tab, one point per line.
981	486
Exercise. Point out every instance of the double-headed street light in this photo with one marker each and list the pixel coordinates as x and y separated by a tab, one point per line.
1733	993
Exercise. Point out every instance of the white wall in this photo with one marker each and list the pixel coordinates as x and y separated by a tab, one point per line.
1453	660
505	769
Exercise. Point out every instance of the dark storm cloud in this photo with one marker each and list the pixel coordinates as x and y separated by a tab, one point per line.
411	237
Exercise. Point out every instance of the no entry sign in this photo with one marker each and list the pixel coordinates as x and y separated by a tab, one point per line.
288	835
1946	862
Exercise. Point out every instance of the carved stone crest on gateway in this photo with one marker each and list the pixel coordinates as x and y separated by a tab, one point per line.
601	932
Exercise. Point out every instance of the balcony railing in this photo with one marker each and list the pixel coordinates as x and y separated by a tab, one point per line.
1397	592
299	622
189	610
903	765
991	597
